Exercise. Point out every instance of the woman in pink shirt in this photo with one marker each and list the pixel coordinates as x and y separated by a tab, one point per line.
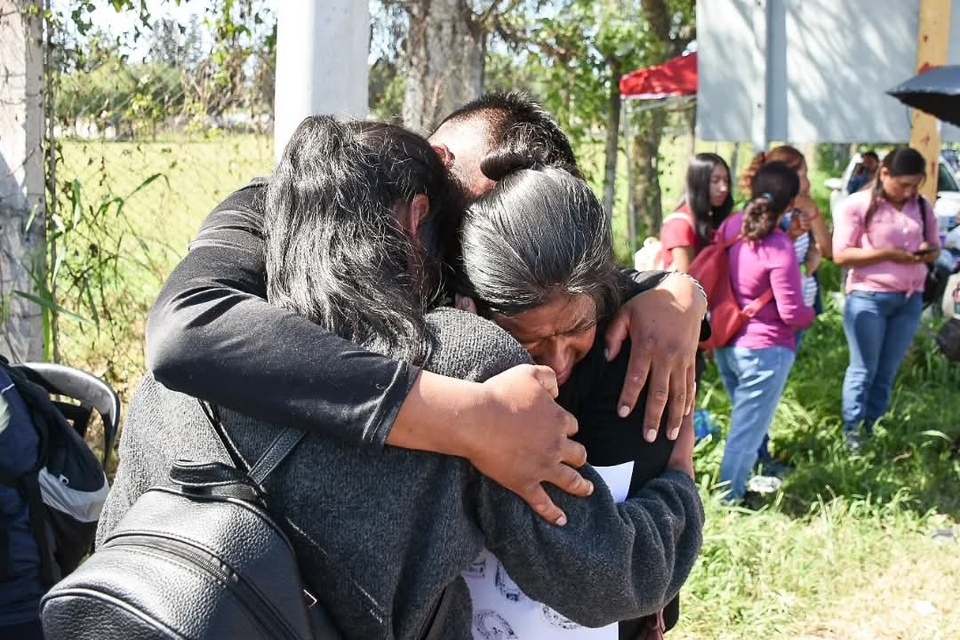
707	201
879	234
755	365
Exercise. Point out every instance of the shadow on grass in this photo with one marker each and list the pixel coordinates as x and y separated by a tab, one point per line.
913	458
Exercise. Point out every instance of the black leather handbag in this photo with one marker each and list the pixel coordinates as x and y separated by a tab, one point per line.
935	284
201	558
948	339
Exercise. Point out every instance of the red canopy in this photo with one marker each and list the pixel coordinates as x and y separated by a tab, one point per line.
677	77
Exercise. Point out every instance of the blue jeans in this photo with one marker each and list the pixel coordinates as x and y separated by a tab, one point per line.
880	327
754	379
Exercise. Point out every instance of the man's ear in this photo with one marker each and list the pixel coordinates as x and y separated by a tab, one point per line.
446	156
417	212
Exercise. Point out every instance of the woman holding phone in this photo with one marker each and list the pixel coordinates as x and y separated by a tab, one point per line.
886	236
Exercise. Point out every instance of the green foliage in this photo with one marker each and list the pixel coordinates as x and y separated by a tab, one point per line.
95	265
385	93
577	51
849	517
832	158
180	79
127	97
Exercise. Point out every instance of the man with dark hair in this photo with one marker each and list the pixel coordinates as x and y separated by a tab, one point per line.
509	119
289	371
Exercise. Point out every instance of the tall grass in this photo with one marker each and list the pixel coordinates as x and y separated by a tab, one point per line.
125	214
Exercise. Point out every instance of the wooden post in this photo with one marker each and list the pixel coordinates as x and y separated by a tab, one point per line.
933	37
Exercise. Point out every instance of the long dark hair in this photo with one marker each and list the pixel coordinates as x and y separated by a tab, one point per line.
335	251
902	161
540	232
697	195
773	188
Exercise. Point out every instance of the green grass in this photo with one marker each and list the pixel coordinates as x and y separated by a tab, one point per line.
146	237
843	553
845	550
198	172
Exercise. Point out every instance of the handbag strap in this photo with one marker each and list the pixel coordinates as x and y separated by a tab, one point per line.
277	451
443	610
922	203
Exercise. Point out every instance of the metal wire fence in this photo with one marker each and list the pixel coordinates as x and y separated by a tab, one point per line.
148	129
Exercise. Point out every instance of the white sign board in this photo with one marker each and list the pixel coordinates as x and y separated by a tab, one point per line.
808	70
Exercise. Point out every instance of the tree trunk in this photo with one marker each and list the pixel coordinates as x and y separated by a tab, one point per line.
646	145
445	61
613	141
22	265
690	119
667	44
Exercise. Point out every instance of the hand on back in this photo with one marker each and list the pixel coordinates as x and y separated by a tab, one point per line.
527	439
664	329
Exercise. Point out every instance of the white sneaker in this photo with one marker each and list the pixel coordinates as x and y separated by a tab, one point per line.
764	484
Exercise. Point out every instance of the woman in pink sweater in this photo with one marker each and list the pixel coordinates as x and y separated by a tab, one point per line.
755	365
886	235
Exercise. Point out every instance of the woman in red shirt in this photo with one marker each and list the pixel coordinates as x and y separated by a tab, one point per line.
706	202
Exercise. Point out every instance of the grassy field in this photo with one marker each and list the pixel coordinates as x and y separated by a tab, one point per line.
140	231
847	550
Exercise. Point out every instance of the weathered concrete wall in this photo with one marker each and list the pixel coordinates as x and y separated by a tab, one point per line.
21	176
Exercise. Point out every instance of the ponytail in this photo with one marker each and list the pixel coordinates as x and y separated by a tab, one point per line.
876	195
774	186
760	217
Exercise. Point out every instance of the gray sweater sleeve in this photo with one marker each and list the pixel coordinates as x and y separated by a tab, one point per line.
612	561
467	347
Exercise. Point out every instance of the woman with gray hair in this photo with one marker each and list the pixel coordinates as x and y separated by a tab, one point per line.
537	259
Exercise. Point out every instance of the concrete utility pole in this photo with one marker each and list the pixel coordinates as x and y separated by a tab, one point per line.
933	37
21	177
322	50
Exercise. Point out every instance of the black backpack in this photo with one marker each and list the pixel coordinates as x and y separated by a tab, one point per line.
199	557
67	487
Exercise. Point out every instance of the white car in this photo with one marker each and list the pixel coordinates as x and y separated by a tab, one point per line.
946	208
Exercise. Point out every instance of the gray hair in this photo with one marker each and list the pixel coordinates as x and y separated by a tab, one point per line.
537	234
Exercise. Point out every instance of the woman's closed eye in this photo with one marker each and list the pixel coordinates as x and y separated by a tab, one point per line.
579	329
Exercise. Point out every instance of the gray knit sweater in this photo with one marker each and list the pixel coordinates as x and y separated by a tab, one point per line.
379	534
